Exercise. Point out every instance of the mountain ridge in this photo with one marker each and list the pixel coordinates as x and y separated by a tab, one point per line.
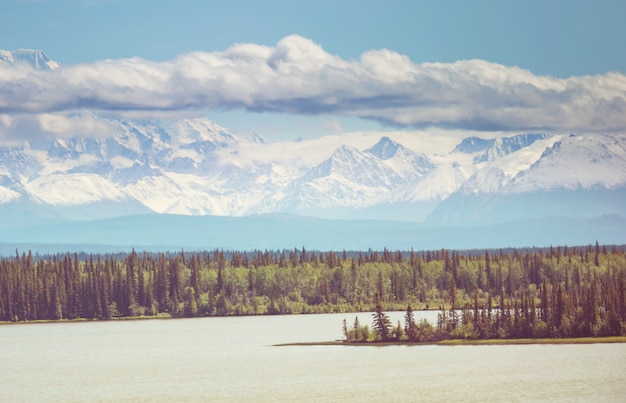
193	166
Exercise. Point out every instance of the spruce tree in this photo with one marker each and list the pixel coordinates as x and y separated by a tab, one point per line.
409	324
382	323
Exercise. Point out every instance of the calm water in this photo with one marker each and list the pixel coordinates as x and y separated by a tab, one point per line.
233	359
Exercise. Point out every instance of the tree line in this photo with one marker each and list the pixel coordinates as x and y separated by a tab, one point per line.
559	291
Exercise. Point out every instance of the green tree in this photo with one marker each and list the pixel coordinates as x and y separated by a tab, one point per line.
191	306
410	328
356	329
382	323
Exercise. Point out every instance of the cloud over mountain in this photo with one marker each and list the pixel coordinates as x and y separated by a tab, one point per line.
298	76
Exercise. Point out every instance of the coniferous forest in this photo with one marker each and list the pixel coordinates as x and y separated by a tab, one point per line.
552	292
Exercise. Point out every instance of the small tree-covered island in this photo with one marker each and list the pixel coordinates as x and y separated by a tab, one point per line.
556	292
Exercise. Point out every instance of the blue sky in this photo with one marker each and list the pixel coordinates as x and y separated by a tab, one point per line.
560	39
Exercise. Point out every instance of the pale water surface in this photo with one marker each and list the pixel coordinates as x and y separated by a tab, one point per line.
234	359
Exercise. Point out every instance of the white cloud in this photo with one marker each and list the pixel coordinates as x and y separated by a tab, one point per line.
298	76
53	126
67	126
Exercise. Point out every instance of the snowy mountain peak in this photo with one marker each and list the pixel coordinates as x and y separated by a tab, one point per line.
385	149
492	149
344	157
507	145
354	168
579	162
37	59
405	162
473	144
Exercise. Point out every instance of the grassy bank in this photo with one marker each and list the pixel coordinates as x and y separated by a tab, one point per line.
466	342
572	340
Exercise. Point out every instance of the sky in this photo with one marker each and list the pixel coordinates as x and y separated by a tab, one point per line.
296	69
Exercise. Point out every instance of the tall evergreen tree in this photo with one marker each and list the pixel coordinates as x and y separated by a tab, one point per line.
382	323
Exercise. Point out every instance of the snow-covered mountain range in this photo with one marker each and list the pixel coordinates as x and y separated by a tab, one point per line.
196	167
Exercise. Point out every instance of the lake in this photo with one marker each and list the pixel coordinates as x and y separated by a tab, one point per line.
234	359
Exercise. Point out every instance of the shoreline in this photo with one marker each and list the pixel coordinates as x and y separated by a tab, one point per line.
448	342
85	320
466	342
